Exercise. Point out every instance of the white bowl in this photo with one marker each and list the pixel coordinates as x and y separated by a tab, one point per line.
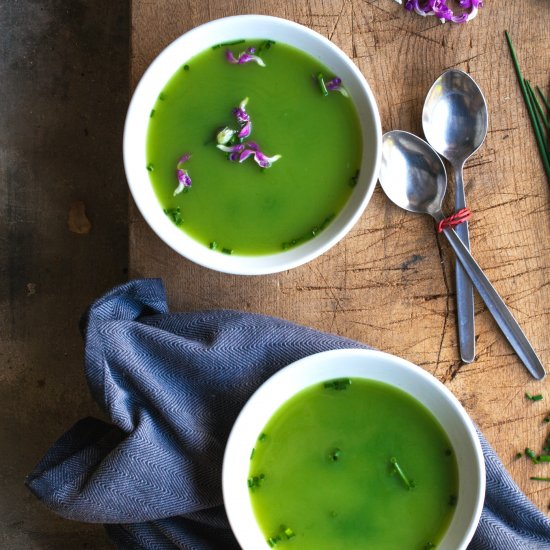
373	365
160	72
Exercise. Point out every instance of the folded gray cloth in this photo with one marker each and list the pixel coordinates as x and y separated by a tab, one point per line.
172	385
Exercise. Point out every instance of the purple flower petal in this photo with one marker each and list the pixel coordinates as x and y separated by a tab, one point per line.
264	161
252	145
237	148
335	85
246	130
184	181
183	159
233	156
244	57
245	154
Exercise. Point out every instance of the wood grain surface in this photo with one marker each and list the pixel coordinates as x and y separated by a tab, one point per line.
390	282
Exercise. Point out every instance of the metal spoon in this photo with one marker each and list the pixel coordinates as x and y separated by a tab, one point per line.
454	120
413	176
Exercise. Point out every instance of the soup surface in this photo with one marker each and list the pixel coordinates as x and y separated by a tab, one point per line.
240	207
353	464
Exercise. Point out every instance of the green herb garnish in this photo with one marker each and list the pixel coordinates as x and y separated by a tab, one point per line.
531	454
315	230
186	67
337	384
174	214
152	114
519	455
354	178
162	96
540	478
334	455
537	397
543	458
409	483
452	500
254	482
322	85
262	437
228	251
541	116
252	453
429	546
150	167
213	245
264	46
223	44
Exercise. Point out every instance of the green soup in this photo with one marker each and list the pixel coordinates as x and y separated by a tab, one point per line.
353	464
240	207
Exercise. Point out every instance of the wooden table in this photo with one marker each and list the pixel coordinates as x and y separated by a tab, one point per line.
390	282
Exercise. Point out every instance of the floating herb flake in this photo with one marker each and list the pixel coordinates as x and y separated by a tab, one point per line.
224	44
334	455
227	251
186	67
152	114
213	245
337	384
174	214
409	483
150	167
354	178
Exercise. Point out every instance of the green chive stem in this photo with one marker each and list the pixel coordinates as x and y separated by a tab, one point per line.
543	458
540	478
540	143
322	84
538	108
537	397
409	483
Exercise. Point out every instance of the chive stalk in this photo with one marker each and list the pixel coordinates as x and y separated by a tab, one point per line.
538	137
543	97
542	117
409	483
543	458
540	478
537	397
322	85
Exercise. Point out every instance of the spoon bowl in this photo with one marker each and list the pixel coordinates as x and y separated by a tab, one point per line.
412	174
454	118
413	177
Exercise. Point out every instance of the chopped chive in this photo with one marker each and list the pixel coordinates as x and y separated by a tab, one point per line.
252	453
175	214
289	533
531	454
337	384
542	149
546	418
448	452
254	482
152	114
519	455
543	458
150	167
542	117
186	67
213	245
223	44
262	437
537	397
228	251
354	178
264	46
162	97
429	546
452	500
322	85
334	455
409	483
540	478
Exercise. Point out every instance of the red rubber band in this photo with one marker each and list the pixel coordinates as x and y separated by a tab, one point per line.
457	218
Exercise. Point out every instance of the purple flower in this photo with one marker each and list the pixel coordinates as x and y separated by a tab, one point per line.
245	131
184	181
440	9
264	161
237	148
244	57
240	112
335	85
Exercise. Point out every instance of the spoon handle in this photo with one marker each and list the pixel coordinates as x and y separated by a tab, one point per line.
464	288
497	307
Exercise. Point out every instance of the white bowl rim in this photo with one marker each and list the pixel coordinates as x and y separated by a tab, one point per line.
179	240
243	530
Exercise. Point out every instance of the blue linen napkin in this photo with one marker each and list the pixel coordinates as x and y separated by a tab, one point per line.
172	385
